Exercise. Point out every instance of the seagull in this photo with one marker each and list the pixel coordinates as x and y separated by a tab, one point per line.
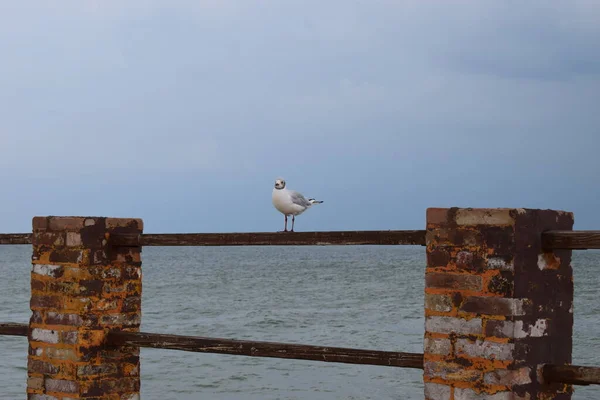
290	202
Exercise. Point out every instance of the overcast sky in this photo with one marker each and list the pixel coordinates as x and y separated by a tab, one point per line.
183	113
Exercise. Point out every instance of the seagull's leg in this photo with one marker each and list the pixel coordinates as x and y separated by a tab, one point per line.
285	228
293	219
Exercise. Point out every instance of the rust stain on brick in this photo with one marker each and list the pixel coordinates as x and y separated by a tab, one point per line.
548	261
39	223
498	306
524	302
82	288
453	281
484	216
500	283
437	216
64	223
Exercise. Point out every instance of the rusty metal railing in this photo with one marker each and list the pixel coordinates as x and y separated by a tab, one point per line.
575	240
571	374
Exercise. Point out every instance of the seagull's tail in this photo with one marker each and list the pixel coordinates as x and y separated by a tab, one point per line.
313	201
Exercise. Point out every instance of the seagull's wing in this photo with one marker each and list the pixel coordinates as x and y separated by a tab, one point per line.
298	199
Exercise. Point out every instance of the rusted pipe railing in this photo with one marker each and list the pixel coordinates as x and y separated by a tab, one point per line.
15	238
574	240
570	374
274	238
12	329
267	349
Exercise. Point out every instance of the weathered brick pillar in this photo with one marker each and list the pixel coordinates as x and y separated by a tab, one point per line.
497	307
82	287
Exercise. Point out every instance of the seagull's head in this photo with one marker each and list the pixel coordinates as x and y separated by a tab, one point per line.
279	183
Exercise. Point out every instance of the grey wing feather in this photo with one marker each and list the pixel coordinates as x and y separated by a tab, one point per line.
298	199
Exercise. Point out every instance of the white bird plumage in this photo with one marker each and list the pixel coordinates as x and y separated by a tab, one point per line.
289	202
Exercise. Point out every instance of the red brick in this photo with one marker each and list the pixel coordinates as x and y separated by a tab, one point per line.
132	304
436	391
470	394
132	272
132	319
493	306
112	287
458	326
36	317
42	367
438	302
97	370
40	301
35	383
48	239
65	223
56	318
61	386
507	377
134	288
438	258
438	346
451	371
111	273
500	263
54	353
470	261
453	281
69	337
40	286
108	304
484	349
484	216
37	396
446	237
62	288
53	271
91	287
437	216
44	335
68	255
106	386
73	239
39	223
135	224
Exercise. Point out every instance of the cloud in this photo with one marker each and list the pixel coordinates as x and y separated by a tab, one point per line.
51	153
396	101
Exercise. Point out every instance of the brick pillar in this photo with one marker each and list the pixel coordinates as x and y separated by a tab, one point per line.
497	307
81	287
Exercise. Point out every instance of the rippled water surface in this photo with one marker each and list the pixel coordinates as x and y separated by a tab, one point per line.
365	297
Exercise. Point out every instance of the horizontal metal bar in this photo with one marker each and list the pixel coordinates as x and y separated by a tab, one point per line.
12	329
266	349
572	374
403	237
15	238
416	237
575	240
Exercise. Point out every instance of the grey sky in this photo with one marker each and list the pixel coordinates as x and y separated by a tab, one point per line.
184	112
